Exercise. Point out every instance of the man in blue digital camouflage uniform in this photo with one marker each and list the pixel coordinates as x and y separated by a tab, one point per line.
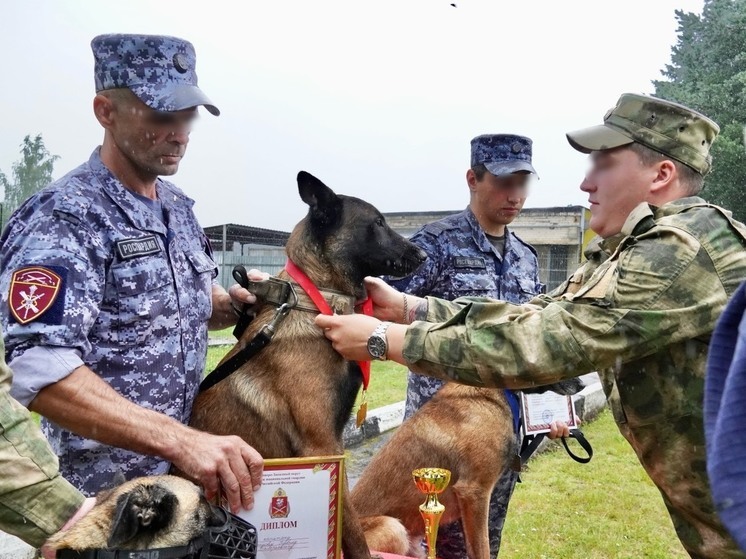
473	253
107	288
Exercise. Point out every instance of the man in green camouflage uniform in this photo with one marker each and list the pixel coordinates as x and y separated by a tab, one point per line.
640	311
35	500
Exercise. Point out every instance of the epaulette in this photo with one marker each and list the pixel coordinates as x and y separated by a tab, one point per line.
73	201
524	243
437	227
175	191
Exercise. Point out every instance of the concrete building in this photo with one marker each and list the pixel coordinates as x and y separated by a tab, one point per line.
558	234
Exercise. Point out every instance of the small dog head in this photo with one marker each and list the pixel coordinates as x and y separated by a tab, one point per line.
144	513
141	513
353	235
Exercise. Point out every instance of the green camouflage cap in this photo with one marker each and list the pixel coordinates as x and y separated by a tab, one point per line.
669	128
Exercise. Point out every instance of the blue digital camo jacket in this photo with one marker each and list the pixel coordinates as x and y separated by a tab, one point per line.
91	275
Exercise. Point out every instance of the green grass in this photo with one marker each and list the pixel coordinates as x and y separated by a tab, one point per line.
606	508
224	333
388	384
388	380
214	355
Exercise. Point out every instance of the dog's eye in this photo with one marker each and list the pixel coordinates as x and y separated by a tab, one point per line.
379	222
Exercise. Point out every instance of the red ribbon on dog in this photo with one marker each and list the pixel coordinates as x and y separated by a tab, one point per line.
313	292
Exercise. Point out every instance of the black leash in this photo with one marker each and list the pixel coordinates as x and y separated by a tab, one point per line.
578	435
532	442
273	290
259	342
245	316
227	368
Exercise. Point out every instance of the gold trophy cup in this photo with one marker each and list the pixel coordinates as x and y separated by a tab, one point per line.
431	481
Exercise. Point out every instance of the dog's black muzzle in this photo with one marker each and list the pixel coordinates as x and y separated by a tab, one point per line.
234	538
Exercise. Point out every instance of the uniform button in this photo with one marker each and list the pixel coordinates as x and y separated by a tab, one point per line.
181	63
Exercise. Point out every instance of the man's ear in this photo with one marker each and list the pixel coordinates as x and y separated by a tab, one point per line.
103	108
665	173
471	180
324	205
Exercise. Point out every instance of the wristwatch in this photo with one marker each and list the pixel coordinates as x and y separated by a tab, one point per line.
377	345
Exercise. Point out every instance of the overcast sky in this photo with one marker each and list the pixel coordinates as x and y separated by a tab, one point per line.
379	99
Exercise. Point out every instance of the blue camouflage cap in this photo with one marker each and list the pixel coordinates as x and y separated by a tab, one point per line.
160	70
502	154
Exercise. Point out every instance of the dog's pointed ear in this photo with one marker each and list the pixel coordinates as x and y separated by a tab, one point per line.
125	524
321	199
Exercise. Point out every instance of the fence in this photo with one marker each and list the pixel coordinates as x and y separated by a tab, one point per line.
269	259
556	263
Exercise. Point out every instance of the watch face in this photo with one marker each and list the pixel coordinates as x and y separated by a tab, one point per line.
376	346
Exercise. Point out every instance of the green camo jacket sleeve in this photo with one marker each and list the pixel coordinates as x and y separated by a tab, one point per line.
657	289
35	500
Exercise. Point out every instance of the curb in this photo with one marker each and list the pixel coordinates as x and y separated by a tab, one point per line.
588	404
13	548
376	423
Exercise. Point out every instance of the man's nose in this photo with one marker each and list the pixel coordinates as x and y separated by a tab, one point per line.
179	135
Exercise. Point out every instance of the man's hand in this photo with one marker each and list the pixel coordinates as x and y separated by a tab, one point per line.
559	429
349	334
240	295
224	466
388	303
227	304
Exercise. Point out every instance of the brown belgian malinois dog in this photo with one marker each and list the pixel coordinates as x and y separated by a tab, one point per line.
464	429
294	397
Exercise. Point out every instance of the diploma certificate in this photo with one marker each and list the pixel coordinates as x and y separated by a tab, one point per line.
539	410
298	509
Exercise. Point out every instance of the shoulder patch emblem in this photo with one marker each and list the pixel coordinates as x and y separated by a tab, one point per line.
33	291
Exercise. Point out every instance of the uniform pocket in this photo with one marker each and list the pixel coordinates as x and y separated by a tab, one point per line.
601	283
145	294
465	284
528	287
202	263
205	270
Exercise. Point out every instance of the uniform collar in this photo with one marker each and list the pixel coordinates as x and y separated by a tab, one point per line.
680	205
480	238
645	210
640	212
135	210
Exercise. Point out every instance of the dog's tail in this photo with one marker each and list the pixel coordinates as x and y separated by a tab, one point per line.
386	534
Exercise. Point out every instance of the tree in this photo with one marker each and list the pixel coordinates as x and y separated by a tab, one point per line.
30	174
708	73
